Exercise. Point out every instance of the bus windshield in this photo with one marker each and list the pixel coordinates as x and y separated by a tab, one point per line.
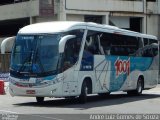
35	54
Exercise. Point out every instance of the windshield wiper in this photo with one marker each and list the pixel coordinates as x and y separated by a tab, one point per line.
39	63
26	62
37	59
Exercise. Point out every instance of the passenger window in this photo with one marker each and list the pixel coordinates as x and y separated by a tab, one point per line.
155	51
145	41
150	50
113	44
124	45
152	41
106	43
92	44
99	43
72	49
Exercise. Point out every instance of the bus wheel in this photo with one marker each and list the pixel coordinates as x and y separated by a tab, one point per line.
139	88
84	92
40	99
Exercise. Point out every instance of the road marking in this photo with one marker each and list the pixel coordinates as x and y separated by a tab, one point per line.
6	111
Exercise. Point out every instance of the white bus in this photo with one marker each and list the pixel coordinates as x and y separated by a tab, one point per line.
74	59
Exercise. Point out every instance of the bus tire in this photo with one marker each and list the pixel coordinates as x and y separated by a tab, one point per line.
40	99
84	92
139	88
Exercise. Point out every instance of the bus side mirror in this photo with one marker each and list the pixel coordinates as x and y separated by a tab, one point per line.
63	41
4	43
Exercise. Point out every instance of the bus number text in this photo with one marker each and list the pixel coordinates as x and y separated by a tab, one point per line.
122	67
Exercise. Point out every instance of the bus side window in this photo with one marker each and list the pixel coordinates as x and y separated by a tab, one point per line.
71	53
89	47
145	41
68	54
132	46
155	51
105	42
92	42
150	48
147	53
72	48
152	41
118	44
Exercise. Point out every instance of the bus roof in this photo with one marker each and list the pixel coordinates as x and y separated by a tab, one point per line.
62	26
148	36
59	26
50	27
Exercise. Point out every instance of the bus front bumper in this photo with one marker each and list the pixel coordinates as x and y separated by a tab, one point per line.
49	91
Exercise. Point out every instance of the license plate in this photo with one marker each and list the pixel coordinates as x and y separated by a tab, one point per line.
31	92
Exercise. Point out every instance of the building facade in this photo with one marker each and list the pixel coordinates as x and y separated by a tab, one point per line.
137	15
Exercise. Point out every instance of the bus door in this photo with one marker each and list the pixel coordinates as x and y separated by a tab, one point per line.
71	55
70	82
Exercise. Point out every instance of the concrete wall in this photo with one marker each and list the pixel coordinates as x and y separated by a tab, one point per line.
19	10
158	6
105	5
45	19
152	25
71	17
152	7
122	22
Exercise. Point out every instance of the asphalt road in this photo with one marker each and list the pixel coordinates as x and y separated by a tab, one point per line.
26	108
